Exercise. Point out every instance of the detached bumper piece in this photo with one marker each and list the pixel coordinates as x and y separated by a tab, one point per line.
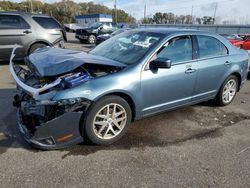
58	133
51	124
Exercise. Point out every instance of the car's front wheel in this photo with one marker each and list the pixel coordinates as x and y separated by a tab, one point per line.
91	39
228	91
107	120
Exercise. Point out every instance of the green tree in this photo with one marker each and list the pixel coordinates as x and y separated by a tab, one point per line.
65	10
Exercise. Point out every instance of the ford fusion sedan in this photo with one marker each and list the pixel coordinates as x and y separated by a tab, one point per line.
68	96
29	31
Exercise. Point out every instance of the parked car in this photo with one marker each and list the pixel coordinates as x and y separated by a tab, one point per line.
29	31
102	38
99	28
68	96
241	41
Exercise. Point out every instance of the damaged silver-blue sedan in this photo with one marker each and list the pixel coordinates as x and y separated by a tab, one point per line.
67	96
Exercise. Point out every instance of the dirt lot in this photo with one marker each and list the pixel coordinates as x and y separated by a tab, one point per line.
197	146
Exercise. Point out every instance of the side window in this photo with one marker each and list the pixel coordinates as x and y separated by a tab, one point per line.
47	22
210	47
13	22
179	49
106	26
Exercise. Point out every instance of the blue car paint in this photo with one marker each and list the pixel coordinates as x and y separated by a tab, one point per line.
57	61
154	92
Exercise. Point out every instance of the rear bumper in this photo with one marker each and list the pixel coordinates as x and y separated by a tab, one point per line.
58	133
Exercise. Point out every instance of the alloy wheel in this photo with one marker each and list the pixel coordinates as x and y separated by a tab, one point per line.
229	91
109	121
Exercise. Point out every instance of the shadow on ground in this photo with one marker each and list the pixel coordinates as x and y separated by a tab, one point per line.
170	128
195	122
9	134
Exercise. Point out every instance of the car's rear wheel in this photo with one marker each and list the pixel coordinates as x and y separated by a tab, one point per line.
91	39
228	91
107	120
36	46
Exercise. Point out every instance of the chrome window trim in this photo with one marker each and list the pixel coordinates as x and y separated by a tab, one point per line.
23	19
144	66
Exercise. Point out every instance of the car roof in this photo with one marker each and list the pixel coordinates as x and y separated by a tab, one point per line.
168	31
23	13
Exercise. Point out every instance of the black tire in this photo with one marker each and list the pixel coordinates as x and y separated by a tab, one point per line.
36	46
91	39
219	98
90	130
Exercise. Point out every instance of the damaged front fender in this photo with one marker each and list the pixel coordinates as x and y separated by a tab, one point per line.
52	124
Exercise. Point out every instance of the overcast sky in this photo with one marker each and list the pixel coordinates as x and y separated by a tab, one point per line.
227	9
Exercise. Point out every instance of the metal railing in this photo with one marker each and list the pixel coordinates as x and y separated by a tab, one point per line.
220	29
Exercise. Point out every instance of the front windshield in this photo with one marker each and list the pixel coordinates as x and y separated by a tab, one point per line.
128	47
95	25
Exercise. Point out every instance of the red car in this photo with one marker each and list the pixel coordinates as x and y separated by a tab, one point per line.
241	41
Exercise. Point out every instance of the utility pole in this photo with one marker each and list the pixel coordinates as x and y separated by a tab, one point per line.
115	12
31	6
192	11
215	10
145	11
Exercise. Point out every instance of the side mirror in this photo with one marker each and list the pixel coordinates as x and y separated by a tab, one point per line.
160	63
100	28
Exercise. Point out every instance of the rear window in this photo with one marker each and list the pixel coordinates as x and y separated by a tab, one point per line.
210	47
13	22
47	22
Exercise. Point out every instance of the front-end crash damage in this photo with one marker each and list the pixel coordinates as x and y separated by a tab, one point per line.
51	124
48	123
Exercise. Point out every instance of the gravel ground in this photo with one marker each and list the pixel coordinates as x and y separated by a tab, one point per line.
197	146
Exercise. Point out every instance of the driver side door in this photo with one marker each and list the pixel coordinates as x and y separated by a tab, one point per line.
164	89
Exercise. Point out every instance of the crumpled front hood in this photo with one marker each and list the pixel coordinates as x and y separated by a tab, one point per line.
57	61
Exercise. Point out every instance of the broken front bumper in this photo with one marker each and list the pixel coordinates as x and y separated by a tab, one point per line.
58	133
54	129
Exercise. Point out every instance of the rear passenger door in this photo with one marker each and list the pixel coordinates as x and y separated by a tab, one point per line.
212	64
13	30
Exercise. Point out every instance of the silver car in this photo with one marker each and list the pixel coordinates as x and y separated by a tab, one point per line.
29	32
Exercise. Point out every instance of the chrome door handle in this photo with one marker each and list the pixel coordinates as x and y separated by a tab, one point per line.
227	63
190	71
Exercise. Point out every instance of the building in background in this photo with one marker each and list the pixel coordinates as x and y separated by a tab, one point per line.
86	20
